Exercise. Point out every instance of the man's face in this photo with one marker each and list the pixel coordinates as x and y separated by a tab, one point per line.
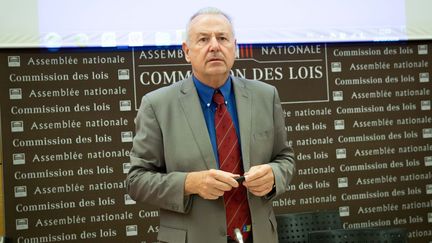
211	47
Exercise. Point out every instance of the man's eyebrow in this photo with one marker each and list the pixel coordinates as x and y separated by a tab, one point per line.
211	32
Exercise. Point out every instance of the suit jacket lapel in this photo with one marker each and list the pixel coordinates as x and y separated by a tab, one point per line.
190	104
244	113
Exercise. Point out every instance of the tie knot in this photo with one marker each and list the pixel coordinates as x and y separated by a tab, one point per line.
218	98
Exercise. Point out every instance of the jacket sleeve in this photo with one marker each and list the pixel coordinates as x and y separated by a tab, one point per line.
147	180
283	163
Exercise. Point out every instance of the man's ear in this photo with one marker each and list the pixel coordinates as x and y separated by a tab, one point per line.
186	51
236	49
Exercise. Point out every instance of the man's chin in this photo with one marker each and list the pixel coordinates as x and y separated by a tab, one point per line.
216	63
220	69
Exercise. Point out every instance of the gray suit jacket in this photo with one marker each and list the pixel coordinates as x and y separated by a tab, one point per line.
172	139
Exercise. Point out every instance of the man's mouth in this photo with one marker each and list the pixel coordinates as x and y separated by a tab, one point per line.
214	60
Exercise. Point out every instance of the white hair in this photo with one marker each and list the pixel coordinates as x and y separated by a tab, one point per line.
209	11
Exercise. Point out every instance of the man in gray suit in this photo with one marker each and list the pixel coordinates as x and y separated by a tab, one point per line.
176	155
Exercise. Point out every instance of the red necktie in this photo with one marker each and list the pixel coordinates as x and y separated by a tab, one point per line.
236	204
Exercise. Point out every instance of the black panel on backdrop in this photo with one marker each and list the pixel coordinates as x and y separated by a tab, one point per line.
358	116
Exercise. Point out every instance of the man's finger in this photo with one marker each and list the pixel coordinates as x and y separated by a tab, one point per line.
256	172
222	186
227	178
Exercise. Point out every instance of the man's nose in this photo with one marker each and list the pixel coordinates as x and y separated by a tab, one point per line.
214	44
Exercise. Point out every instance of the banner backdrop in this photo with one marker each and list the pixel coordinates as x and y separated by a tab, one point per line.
357	114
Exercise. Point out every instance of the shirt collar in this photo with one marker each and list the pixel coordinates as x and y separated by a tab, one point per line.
206	92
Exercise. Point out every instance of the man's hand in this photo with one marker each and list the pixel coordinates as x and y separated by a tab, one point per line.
259	180
210	184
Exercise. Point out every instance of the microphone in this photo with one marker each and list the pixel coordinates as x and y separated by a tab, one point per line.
238	235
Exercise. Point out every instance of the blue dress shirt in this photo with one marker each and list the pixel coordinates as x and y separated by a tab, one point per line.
208	106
